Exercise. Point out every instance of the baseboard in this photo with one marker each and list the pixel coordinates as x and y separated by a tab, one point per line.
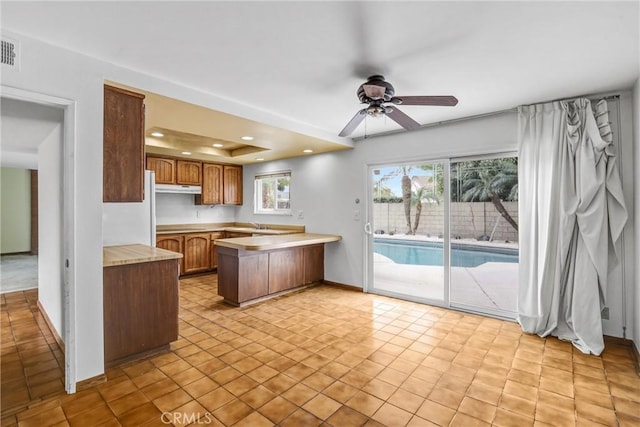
633	350
142	355
53	331
91	382
636	358
343	286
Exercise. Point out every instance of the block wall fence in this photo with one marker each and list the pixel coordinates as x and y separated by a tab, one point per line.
469	220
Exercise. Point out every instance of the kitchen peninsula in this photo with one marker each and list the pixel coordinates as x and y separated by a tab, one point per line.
253	268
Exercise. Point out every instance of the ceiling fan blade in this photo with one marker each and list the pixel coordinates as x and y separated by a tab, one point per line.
445	101
401	118
353	123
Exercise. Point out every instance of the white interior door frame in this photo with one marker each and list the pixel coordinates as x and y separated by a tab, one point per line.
68	209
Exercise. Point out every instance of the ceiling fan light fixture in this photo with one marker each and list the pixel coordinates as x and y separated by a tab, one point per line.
375	110
374	92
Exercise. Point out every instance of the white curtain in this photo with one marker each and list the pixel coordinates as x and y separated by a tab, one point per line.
572	212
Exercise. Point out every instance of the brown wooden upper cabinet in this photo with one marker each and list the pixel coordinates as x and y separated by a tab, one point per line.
232	181
212	186
175	171
165	169
188	172
123	146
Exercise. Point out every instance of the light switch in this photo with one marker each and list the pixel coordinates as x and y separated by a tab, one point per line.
300	214
356	215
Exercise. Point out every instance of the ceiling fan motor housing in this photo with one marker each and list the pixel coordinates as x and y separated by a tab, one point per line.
380	82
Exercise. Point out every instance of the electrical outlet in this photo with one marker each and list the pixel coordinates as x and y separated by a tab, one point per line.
300	214
356	215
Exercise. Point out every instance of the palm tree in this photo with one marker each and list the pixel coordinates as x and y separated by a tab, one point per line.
405	186
493	182
420	196
406	196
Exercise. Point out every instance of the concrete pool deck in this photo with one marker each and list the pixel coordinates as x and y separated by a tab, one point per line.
492	285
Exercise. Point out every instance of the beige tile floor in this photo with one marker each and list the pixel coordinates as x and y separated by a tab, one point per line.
323	356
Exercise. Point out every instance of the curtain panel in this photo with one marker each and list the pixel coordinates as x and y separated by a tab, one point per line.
572	213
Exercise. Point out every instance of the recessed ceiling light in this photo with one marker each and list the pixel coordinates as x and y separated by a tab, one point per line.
259	159
218	145
307	151
157	134
247	138
186	153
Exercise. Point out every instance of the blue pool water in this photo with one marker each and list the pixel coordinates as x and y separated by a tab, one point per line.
430	253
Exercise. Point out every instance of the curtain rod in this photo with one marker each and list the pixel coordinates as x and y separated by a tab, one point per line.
479	116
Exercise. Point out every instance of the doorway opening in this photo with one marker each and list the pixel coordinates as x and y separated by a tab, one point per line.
38	133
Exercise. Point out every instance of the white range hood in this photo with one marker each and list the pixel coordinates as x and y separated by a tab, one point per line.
180	189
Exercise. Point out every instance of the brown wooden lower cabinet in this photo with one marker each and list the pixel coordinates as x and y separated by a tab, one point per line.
286	269
140	308
212	247
196	252
246	275
173	243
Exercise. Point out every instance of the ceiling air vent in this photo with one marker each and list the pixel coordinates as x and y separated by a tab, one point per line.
9	50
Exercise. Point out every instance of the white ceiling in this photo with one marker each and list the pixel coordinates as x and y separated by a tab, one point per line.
304	60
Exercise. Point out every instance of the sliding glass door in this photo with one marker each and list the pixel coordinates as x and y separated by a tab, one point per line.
484	234
407	255
446	232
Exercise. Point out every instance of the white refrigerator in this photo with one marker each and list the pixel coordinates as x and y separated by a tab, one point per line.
131	223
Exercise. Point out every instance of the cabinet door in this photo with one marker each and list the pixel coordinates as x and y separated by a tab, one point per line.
285	269
165	169
188	172
232	183
313	263
140	303
123	146
196	253
174	243
214	253
211	185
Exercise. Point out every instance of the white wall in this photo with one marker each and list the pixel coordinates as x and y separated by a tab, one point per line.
50	243
635	284
180	209
15	210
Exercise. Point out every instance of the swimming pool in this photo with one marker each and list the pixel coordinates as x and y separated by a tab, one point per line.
430	253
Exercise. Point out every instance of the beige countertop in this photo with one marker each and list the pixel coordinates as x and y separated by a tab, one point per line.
134	254
264	243
270	229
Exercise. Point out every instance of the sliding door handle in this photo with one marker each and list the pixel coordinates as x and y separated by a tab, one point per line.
367	228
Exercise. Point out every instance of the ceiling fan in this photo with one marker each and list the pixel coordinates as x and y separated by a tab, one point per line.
377	92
